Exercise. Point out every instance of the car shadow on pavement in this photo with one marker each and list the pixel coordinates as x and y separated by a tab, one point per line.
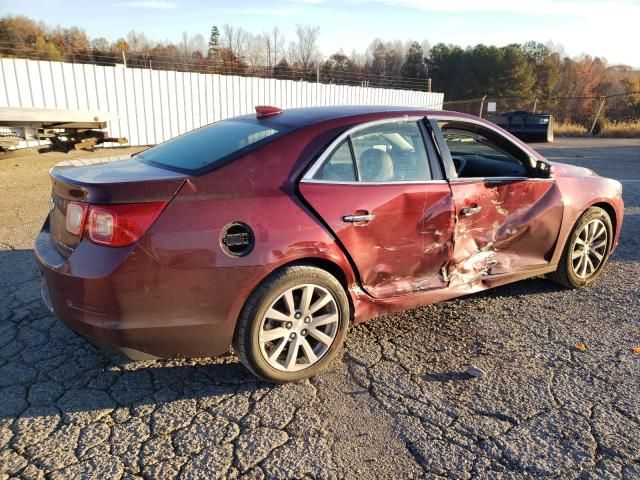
112	383
46	369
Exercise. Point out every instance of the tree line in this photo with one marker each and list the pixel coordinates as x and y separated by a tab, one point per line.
514	74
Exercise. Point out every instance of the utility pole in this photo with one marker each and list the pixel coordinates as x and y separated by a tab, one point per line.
429	84
595	120
482	105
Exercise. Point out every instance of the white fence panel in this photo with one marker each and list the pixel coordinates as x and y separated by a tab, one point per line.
155	105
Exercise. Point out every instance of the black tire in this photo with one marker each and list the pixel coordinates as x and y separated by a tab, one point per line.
246	341
565	275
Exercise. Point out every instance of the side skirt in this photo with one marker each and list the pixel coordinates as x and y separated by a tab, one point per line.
367	308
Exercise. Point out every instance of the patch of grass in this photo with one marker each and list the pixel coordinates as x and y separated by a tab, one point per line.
569	129
628	129
608	129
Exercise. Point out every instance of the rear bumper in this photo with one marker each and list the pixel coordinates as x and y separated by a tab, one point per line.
98	343
122	299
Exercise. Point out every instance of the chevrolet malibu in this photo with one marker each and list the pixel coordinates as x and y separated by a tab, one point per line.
273	232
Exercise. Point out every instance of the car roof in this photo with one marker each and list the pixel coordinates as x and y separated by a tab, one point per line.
300	117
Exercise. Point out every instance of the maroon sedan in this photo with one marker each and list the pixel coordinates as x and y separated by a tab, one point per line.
273	232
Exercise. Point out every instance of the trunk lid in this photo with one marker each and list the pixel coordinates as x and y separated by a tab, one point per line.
104	181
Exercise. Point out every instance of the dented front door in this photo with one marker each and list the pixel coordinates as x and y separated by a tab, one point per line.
503	226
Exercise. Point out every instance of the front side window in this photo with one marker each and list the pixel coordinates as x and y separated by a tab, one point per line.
205	147
386	153
476	154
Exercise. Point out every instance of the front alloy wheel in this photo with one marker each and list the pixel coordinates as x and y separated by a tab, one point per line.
589	248
586	251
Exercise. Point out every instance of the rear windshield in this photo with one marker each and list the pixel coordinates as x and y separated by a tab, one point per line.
206	147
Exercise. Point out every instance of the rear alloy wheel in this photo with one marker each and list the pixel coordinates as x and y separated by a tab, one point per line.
299	327
293	324
587	250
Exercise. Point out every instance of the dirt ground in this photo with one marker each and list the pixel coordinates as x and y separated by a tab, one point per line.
398	404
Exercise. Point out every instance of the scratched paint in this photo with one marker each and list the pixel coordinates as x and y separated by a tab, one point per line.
515	227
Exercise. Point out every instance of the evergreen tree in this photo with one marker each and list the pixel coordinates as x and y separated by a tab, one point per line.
214	42
414	66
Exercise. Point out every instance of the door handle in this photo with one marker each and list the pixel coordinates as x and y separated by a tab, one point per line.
472	210
366	217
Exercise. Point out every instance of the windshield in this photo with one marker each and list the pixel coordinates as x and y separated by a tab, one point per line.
209	146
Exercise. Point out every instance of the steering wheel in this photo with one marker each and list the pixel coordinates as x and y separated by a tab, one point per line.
459	162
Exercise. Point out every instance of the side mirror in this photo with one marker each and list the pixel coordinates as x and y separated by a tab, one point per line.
542	169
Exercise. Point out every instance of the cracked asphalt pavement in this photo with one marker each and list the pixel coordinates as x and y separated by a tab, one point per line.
398	404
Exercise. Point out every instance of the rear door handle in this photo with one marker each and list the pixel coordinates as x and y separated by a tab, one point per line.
367	217
472	210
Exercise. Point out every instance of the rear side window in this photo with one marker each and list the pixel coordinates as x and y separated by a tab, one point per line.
387	153
391	152
207	146
339	167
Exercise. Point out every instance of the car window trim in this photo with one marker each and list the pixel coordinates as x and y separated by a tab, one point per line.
497	179
354	164
350	182
433	156
313	170
441	144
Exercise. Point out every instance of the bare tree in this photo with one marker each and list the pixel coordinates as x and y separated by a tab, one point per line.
138	41
256	52
274	44
235	40
305	50
197	44
357	59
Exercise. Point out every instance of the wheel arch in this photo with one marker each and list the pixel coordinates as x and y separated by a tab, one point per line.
329	266
611	211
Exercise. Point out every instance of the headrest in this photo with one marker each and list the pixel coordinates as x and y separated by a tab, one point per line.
375	166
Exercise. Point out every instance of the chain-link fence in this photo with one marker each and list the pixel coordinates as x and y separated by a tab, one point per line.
579	112
174	60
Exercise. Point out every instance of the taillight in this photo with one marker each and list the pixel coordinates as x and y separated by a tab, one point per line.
76	213
121	224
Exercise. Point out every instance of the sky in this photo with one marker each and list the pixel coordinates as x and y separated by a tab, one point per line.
606	29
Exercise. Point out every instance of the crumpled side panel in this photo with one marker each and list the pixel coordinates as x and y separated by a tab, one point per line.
516	227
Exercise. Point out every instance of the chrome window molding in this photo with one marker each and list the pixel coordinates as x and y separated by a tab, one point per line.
498	179
398	182
308	177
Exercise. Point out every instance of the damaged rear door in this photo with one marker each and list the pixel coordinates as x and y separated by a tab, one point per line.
507	220
375	189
